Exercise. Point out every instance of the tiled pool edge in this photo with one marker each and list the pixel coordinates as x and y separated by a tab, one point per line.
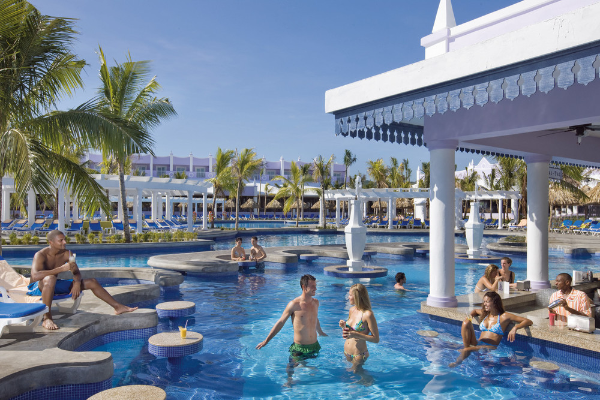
66	392
130	334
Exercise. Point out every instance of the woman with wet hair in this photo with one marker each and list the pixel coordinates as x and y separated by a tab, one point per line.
494	323
360	327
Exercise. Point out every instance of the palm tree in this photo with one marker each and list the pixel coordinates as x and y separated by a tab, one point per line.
261	171
407	171
492	182
349	160
513	173
127	93
467	184
378	173
293	189
321	174
571	182
306	178
268	189
243	166
396	174
222	180
426	181
37	69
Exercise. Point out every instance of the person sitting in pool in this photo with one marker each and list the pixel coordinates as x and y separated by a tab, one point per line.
505	273
238	253
400	281
257	253
494	322
360	327
304	311
572	301
489	280
51	261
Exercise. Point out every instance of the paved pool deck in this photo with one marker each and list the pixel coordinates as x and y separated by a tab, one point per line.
47	358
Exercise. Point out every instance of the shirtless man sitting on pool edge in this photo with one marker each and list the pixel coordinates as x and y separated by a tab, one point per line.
51	261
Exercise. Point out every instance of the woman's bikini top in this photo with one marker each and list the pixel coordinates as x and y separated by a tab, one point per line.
359	327
496	328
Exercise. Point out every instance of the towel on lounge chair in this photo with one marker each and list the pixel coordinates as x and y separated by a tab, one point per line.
15	284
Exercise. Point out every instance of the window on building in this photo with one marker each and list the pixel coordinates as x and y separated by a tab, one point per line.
200	172
180	169
160	171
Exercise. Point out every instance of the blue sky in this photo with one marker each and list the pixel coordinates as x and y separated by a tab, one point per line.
254	73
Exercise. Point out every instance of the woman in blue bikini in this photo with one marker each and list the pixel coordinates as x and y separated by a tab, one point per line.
494	322
361	326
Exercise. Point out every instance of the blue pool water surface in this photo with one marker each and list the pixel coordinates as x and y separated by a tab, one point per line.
235	314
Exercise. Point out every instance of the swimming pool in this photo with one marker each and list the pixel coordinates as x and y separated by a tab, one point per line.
235	314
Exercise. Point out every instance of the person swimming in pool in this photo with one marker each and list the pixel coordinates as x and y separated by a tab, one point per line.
400	281
360	327
489	281
494	322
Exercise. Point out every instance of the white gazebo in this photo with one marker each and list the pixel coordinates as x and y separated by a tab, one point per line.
519	82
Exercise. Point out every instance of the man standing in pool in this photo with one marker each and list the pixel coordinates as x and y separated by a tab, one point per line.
257	253
304	312
51	261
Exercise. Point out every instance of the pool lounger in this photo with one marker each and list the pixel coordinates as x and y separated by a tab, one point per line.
20	317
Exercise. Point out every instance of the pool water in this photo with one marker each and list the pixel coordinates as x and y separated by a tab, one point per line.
235	314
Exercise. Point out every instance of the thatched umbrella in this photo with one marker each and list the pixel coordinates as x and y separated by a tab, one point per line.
330	204
250	203
273	204
593	195
558	196
379	203
303	205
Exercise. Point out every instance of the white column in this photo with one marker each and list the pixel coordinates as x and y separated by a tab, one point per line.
282	166
68	207
120	206
204	211
137	210
31	207
500	207
514	207
337	213
390	213
191	162
5	204
154	214
321	214
190	216
210	163
151	165
76	209
61	209
537	220
331	172
441	235
363	206
171	161
168	212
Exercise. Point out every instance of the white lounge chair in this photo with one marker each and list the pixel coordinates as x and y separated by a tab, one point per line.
20	317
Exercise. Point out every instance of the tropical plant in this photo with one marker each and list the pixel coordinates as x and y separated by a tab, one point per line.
378	173
128	93
306	177
261	172
180	175
492	182
426	181
349	160
467	184
572	181
222	181
243	166
293	189
37	69
321	174
396	177
268	189
407	171
513	173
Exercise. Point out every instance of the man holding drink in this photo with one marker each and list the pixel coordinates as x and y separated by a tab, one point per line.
51	261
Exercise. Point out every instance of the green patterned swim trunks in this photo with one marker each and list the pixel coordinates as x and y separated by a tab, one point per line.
304	351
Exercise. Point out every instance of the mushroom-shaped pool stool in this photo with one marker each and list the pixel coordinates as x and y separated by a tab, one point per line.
367	254
173	346
175	309
308	258
131	392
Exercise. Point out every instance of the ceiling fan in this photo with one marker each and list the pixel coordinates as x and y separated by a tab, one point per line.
581	131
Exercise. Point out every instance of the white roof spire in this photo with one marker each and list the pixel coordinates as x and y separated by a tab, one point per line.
445	16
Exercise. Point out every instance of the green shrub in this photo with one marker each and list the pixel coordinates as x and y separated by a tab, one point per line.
3	242
26	239
67	239
156	236
112	239
101	237
167	237
35	240
97	240
13	238
79	238
190	236
91	237
135	238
